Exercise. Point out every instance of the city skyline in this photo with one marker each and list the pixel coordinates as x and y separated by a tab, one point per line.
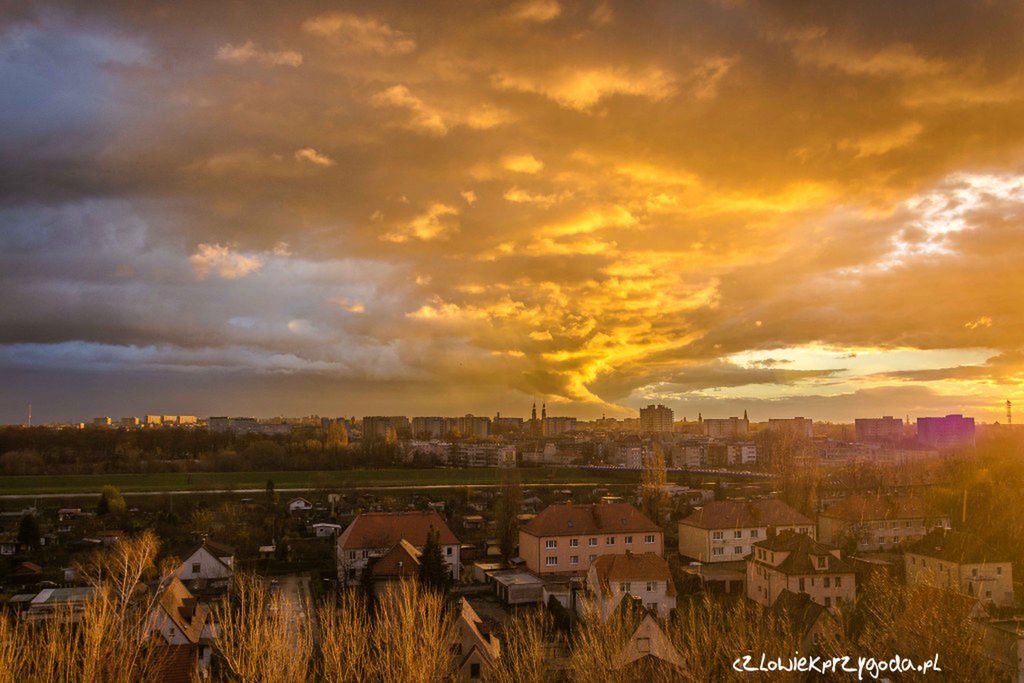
384	209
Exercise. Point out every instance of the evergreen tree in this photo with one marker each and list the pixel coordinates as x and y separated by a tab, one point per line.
28	530
508	514
433	570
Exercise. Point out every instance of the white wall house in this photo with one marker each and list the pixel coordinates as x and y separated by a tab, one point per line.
371	534
209	561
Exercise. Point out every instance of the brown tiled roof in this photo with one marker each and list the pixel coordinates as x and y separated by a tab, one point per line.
735	514
173	663
870	508
801	549
798	608
632	567
182	608
470	622
955	546
384	529
569	520
401	561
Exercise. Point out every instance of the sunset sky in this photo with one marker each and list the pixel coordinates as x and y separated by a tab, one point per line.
793	208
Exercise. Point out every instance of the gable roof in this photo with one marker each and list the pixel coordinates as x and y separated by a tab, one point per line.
864	508
801	548
217	551
736	514
799	610
955	546
402	560
631	567
648	640
384	529
181	607
566	519
482	639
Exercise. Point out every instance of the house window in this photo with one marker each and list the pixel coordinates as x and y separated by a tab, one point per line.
828	601
352	555
999	571
738	550
839	582
448	550
822	562
717	535
755	533
624	587
629	540
550	544
474	670
803	588
592	542
574	559
828	582
196	567
650	586
574	542
366	554
738	533
649	538
717	551
550	561
609	540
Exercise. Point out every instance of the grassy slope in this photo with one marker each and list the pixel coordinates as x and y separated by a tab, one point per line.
198	481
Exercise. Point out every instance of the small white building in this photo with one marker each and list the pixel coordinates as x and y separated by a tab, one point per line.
326	529
209	562
299	505
179	619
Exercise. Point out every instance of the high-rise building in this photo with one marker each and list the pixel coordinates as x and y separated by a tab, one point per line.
952	431
803	426
726	427
656	419
874	429
553	426
377	426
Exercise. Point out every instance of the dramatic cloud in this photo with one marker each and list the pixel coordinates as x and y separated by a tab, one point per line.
809	209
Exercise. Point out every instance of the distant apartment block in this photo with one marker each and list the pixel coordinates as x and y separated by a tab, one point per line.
656	419
246	425
378	426
799	564
726	428
690	453
101	421
802	426
726	530
961	562
952	431
553	426
878	522
570	538
741	453
485	455
875	429
504	425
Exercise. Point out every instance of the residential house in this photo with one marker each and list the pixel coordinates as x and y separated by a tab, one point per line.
371	534
797	563
644	577
878	522
810	623
960	562
299	505
178	618
648	654
209	564
401	562
476	649
567	538
725	530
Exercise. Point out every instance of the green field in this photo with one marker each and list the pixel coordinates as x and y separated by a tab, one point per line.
205	481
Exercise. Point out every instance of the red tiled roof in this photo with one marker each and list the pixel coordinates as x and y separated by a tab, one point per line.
736	514
632	567
569	520
801	548
401	561
384	529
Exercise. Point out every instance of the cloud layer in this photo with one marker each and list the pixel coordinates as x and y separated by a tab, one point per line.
715	205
